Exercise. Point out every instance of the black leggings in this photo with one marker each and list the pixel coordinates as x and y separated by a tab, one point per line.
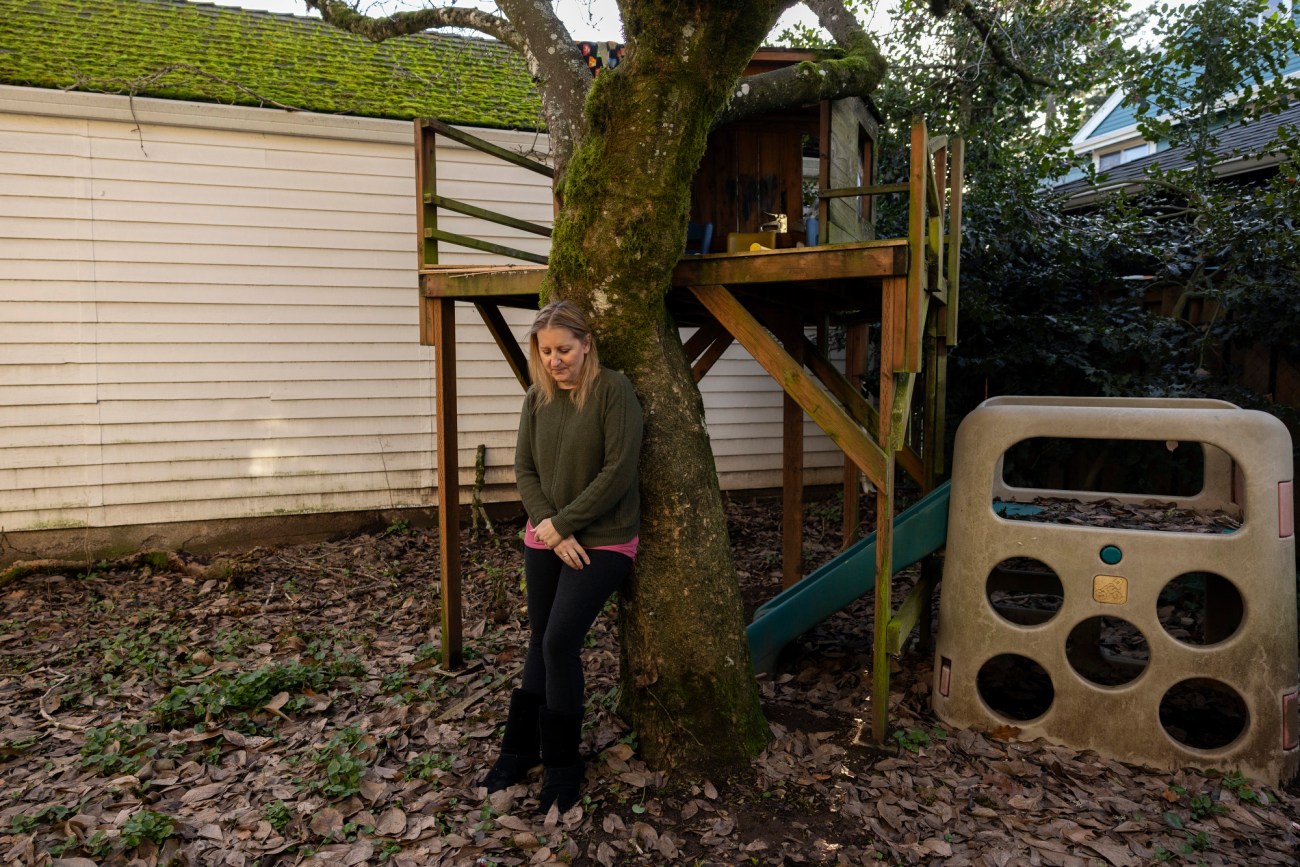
562	605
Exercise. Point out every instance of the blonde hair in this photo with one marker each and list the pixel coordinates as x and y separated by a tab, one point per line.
566	315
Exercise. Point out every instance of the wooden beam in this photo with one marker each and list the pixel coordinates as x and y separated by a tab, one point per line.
830	262
484	214
901	409
957	177
512	280
824	171
710	356
912	464
868	190
426	181
917	602
892	336
792	337
916	218
838	385
702	339
505	338
485	246
831	418
855	364
444	407
487	147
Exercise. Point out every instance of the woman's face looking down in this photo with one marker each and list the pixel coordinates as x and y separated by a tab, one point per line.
563	353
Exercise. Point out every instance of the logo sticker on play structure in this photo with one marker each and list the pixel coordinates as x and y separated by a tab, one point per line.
1110	589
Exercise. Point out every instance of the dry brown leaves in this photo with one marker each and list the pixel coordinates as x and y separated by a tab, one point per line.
379	764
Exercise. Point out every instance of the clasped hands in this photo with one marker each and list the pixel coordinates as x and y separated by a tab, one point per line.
568	550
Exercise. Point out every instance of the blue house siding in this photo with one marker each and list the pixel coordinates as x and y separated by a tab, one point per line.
1121	116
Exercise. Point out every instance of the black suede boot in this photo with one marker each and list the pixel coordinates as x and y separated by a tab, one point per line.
520	745
564	773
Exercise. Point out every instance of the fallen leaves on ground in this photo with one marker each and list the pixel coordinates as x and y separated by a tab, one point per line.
289	706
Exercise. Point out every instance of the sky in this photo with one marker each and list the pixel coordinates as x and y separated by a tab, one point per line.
586	19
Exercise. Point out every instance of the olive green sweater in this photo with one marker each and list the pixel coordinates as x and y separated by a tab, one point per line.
579	467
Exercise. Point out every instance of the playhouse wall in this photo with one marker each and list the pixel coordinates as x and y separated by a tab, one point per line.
209	312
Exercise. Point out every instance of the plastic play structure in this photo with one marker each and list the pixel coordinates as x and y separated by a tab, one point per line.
1223	696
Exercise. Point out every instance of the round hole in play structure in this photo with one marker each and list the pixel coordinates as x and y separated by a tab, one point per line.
1015	687
1203	714
1107	651
1024	591
1200	608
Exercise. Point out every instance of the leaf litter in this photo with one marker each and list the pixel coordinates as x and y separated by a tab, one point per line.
289	706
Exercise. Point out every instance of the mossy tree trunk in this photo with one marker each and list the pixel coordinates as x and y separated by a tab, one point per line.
625	167
687	686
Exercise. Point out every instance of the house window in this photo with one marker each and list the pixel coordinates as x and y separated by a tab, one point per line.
1119	156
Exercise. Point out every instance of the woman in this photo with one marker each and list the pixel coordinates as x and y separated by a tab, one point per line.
576	466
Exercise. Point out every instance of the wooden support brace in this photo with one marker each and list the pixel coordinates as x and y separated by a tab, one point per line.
917	602
444	403
792	337
900	409
702	339
855	363
837	384
501	333
710	356
831	418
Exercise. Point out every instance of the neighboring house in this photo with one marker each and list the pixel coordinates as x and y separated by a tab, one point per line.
208	276
1118	152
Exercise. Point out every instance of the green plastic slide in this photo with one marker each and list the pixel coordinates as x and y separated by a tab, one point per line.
919	531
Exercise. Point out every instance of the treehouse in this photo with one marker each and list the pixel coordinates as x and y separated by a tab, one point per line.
766	272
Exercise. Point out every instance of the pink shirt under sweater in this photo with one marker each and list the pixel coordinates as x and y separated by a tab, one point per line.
627	549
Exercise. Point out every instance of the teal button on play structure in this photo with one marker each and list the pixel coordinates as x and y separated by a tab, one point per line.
1110	555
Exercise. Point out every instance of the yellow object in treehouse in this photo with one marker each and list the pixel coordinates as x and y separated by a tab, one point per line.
740	242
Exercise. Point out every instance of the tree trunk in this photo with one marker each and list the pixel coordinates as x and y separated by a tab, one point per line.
687	684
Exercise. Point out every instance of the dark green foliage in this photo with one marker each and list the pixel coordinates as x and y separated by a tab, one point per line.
146	825
1062	302
221	694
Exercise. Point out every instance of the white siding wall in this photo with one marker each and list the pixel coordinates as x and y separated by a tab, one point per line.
210	312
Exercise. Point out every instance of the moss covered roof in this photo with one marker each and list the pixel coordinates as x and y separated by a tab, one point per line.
178	50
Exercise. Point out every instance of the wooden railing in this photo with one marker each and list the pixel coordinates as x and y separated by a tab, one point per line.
427	131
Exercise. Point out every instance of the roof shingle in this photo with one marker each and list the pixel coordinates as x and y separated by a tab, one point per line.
178	50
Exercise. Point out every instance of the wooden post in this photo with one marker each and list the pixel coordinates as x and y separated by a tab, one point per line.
426	182
444	406
893	339
957	178
916	265
792	465
855	365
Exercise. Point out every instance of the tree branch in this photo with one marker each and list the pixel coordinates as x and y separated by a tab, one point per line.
997	43
529	27
556	64
345	17
856	73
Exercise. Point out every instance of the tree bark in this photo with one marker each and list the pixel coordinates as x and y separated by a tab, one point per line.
687	685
